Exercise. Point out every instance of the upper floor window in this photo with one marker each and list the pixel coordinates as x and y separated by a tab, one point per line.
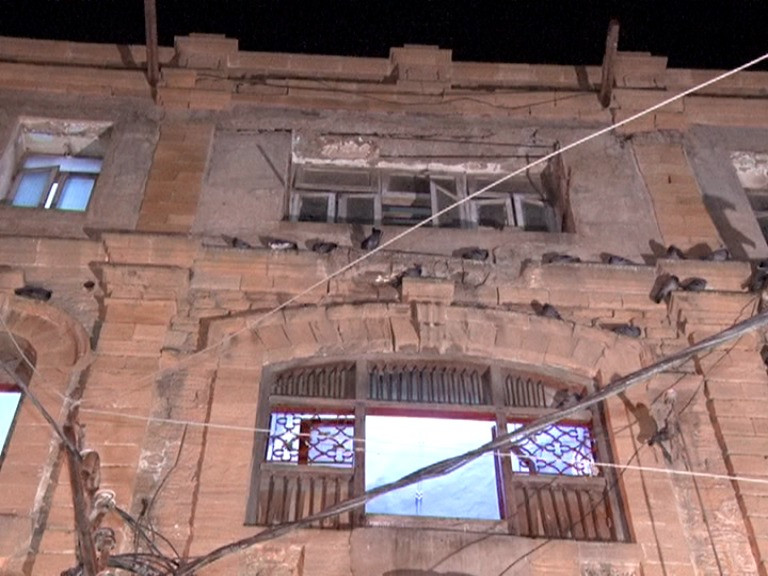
752	170
338	429
53	165
329	193
55	182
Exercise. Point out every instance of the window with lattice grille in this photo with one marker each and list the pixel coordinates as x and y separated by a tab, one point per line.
330	431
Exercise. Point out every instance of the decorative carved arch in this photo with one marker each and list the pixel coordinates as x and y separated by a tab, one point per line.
557	347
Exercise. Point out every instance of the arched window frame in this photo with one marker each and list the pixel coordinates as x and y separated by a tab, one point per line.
338	394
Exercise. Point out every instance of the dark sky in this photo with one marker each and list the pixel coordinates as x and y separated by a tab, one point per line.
692	33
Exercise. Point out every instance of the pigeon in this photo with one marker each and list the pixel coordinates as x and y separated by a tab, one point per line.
719	255
666	287
549	311
762	265
629	330
324	247
236	242
372	241
614	260
89	284
759	280
694	284
281	245
562	259
564	398
34	293
477	254
674	253
412	272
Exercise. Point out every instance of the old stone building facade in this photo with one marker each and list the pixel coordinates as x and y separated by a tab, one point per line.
228	381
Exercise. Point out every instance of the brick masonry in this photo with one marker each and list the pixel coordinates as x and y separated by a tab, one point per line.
168	345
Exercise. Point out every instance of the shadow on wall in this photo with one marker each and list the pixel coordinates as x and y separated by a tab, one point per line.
733	238
411	572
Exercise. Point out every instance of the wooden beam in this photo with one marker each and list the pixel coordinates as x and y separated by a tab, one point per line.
609	62
150	26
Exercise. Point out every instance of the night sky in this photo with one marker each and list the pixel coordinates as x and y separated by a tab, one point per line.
693	34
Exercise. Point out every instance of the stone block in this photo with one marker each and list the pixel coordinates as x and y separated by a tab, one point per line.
427	290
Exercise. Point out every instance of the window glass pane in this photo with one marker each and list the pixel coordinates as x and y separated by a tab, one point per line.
359	210
313	209
324	439
75	193
65	163
9	402
445	195
396	446
563	449
493	215
408	183
33	186
535	215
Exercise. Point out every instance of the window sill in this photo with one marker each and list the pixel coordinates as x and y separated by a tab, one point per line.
435	523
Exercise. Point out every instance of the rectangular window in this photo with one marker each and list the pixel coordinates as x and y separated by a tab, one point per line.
339	429
53	164
401	198
55	182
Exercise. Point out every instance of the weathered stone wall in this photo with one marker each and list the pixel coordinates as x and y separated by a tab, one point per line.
168	346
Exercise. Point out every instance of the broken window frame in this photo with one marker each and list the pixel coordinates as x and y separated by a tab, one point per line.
754	183
397	203
530	504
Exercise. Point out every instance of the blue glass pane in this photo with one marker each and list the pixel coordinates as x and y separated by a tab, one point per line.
42	161
65	163
32	188
564	449
396	446
9	402
325	439
75	193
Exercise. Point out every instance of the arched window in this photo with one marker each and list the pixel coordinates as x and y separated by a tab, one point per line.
339	428
12	366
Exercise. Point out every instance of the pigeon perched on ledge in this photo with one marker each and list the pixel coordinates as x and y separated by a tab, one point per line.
477	254
34	293
614	260
549	311
719	255
324	247
412	272
236	242
279	245
629	330
665	285
372	241
561	259
694	284
674	253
